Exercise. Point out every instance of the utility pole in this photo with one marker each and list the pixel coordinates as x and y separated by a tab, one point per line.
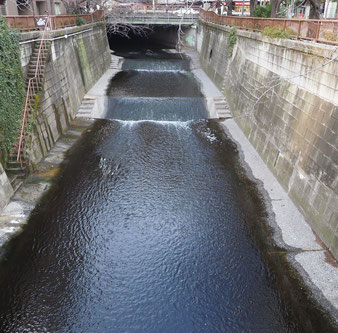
242	7
292	9
326	9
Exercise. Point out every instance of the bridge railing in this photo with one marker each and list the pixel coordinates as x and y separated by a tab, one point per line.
157	11
32	22
323	31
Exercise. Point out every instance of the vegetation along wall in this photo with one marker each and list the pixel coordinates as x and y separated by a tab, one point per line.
282	94
77	58
12	95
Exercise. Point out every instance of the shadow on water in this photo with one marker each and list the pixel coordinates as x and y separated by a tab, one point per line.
152	227
153	84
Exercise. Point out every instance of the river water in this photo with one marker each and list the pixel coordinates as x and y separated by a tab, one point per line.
152	226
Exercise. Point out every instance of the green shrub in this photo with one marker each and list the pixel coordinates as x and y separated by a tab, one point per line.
276	32
232	39
330	35
262	11
80	21
12	88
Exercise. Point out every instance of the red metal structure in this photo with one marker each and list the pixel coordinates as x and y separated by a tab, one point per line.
323	31
34	85
29	22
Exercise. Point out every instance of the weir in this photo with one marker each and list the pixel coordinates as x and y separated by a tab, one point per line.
154	222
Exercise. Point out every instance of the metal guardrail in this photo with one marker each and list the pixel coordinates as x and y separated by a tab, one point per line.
173	20
30	22
323	31
158	9
145	13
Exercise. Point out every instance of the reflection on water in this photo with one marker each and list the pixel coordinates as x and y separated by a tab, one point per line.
158	84
151	227
156	65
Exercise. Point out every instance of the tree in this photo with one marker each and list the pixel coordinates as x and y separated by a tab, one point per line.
262	11
314	9
253	4
275	6
230	7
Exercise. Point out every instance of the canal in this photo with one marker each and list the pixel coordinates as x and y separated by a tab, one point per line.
152	226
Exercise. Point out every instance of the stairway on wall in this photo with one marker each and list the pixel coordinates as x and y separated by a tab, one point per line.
222	108
90	101
15	170
115	62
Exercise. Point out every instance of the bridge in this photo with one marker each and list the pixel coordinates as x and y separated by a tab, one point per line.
151	15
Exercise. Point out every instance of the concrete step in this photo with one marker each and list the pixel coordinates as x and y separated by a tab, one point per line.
86	107
32	75
34	62
14	164
43	55
16	181
222	108
17	184
16	171
88	101
224	115
32	70
85	110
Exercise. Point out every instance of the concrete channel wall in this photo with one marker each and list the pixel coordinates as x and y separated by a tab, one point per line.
78	58
282	94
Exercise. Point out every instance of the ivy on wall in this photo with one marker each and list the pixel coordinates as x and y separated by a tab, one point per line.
12	89
231	41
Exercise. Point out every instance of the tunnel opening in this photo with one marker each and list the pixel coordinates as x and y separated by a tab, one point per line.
154	37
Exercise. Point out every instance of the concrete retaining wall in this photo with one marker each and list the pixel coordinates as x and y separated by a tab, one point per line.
6	190
79	56
282	93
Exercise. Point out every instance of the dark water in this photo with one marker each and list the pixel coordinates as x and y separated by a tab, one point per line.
153	84
151	227
156	64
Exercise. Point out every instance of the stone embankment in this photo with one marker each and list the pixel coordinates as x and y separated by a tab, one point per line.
283	95
78	58
17	212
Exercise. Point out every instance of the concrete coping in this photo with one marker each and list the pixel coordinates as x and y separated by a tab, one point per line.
31	35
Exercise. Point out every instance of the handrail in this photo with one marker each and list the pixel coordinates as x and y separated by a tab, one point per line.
323	31
28	22
33	88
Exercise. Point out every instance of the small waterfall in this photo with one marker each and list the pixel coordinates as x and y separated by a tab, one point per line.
161	89
159	65
158	108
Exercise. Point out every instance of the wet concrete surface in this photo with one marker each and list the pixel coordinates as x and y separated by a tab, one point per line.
14	217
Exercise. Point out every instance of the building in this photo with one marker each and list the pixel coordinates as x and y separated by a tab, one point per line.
31	7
